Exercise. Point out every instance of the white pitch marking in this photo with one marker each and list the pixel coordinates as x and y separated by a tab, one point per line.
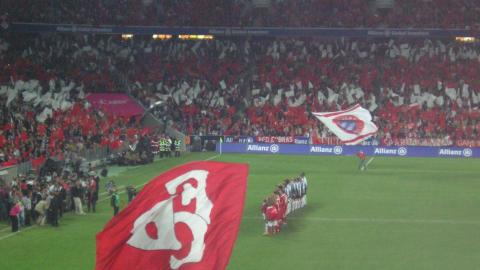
369	161
387	220
103	199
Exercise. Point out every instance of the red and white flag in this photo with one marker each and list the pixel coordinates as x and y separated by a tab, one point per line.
352	126
186	218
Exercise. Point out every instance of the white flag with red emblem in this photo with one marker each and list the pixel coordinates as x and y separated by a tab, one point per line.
351	126
186	218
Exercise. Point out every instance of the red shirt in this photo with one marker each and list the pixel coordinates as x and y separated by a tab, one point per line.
361	155
3	141
264	208
15	210
271	212
41	129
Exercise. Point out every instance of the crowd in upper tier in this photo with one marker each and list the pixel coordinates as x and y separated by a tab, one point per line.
416	89
241	13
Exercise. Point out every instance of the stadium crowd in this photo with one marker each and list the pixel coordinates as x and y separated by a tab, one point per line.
241	13
43	88
35	132
43	198
422	92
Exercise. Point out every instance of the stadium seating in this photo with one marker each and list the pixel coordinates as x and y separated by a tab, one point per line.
417	89
420	91
33	133
326	13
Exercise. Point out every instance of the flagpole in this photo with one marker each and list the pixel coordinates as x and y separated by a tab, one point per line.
221	141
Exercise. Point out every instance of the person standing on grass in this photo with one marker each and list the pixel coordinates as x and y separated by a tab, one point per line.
27	204
264	211
92	195
271	213
96	178
363	160
41	209
14	212
77	195
288	191
21	215
54	209
283	204
131	193
178	144
303	180
115	202
62	192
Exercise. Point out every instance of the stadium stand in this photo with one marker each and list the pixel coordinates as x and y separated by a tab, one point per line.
268	87
278	13
44	111
421	91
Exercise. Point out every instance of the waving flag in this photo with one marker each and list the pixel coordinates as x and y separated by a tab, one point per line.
352	126
186	218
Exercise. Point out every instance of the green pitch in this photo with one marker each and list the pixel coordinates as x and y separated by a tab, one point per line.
402	213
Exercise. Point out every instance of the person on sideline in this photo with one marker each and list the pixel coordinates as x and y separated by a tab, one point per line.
77	198
115	202
14	212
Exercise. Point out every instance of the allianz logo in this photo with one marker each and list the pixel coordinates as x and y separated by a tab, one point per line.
467	152
337	150
401	151
263	148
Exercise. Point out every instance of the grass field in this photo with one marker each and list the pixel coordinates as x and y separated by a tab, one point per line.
402	213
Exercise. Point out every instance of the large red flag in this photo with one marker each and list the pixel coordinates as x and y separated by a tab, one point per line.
186	218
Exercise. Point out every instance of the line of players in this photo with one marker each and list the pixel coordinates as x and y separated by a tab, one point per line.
287	198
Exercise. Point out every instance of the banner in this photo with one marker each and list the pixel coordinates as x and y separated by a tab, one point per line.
186	218
117	104
239	139
275	139
352	125
467	143
350	150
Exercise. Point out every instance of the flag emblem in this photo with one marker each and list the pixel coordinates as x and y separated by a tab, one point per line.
349	123
351	126
186	218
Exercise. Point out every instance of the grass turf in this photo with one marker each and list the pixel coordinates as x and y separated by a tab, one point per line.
402	213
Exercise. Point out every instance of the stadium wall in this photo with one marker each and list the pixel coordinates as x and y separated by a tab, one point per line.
335	150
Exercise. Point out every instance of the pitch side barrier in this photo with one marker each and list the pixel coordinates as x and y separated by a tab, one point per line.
345	150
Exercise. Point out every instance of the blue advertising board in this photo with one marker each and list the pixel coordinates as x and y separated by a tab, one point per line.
302	149
237	31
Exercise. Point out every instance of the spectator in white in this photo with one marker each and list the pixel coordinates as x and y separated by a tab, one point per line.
77	198
27	210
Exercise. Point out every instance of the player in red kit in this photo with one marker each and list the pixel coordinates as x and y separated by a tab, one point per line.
278	205
363	160
272	213
283	204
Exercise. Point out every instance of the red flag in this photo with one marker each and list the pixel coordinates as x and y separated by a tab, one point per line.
186	218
